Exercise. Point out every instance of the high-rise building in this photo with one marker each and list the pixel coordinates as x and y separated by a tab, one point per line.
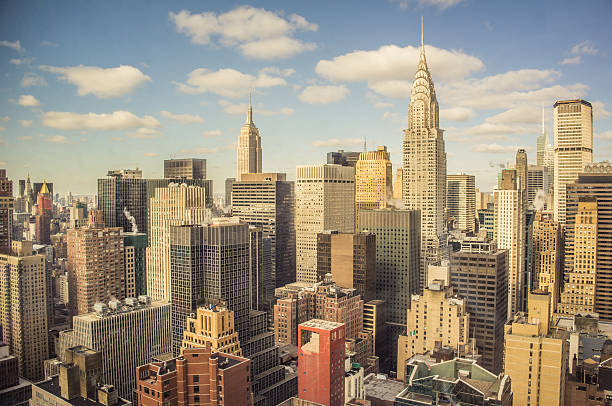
44	215
482	199
37	187
351	260
185	168
461	201
212	326
535	355
321	362
373	180
13	389
546	269
398	252
96	268
324	200
397	184
509	233
6	212
135	246
228	191
424	162
541	144
23	305
343	158
249	147
537	182
573	147
442	314
479	274
486	221
267	200
197	377
374	322
581	276
127	333
595	181
171	206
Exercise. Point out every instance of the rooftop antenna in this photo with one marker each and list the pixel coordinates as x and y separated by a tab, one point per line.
364	145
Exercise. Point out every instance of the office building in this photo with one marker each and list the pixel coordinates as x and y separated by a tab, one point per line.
127	334
595	181
267	200
374	322
373	180
537	182
212	326
96	268
509	233
171	206
456	381
483	199
44	216
397	185
479	274
249	147
535	355
229	182
261	280
78	215
185	168
13	389
23	301
461	201
424	163
573	121
6	212
324	200
321	362
343	158
198	377
135	246
37	187
486	221
437	318
547	240
77	383
350	258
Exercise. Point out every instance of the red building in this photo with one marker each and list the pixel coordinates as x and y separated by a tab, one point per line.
6	211
321	362
45	213
198	377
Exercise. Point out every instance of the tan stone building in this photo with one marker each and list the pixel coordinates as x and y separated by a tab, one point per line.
249	147
573	121
547	240
536	355
578	294
96	268
373	180
171	206
397	184
436	318
23	313
461	201
214	327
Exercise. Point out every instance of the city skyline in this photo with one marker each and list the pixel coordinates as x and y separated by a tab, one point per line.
490	92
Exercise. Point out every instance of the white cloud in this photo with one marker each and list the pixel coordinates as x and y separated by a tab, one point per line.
393	116
151	154
28	100
144	133
575	60
49	44
335	142
184	118
103	83
525	114
440	4
24	137
57	139
257	33
241	109
496	148
15	45
383	105
457	114
606	135
228	82
32	79
5	119
25	123
21	61
117	120
323	94
599	110
212	133
584	48
213	150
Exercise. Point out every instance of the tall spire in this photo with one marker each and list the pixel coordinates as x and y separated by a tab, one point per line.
250	111
422	42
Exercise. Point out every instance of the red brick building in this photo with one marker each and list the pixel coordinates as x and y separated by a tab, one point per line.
321	362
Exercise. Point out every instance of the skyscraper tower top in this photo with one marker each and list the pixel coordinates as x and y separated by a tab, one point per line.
249	146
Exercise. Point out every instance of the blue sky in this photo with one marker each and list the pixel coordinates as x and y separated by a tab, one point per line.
87	87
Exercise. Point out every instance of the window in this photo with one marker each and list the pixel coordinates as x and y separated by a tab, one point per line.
196	378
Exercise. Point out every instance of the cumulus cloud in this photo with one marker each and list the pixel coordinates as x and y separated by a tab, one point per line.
574	60
229	82
16	45
382	105
117	120
103	83
144	133
599	110
323	94
184	118
440	4
255	32
336	142
57	139
21	61
497	149
27	100
212	133
578	50
457	114
32	79
25	123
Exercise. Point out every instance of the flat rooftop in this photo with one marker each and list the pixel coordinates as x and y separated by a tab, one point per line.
321	324
51	386
382	388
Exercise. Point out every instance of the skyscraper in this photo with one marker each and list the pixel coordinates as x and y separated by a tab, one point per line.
267	200
547	260
373	180
171	206
249	146
212	326
424	162
6	212
461	201
541	144
45	213
185	168
228	191
573	147
135	245
23	304
343	158
96	269
324	200
537	182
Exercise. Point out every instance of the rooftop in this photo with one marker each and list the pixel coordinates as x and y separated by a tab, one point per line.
225	362
380	387
322	324
52	386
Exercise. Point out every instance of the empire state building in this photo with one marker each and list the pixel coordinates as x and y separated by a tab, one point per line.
249	147
424	163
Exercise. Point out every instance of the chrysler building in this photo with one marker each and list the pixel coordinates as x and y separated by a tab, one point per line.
249	146
424	160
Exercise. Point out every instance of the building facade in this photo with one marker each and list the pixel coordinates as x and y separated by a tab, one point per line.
249	147
373	180
6	212
547	240
461	201
185	168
